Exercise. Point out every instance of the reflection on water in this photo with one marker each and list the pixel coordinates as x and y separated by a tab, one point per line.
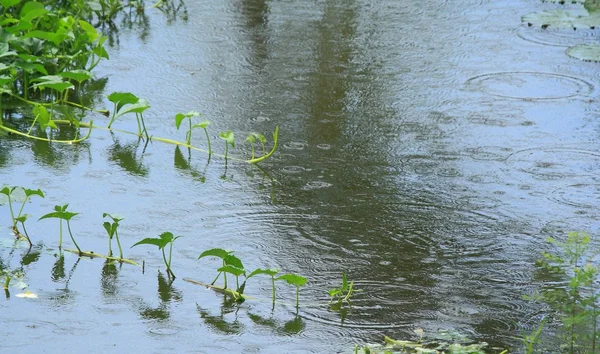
126	156
426	150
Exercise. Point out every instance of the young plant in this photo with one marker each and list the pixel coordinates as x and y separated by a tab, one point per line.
252	138
296	280
126	102
270	272
180	117
20	217
230	264
60	212
343	293
577	301
205	123
112	230
229	138
164	239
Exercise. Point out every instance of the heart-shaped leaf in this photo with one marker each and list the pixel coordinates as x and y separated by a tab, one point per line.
77	75
270	272
232	270
215	252
203	124
293	279
229	137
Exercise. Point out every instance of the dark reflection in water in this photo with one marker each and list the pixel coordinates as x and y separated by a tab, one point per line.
185	164
291	327
167	294
126	156
108	280
58	269
220	323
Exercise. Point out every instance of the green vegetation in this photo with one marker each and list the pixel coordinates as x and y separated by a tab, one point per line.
20	217
164	239
343	293
573	294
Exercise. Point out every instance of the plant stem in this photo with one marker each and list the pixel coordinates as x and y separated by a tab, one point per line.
73	238
144	126
7	282
216	278
60	235
119	244
12	214
22	206
208	140
189	132
297	291
171	254
109	246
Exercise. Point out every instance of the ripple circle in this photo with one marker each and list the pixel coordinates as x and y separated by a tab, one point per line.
531	86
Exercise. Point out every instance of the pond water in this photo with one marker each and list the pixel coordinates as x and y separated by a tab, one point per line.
428	148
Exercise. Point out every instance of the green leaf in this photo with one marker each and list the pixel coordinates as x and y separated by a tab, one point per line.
30	192
179	118
109	229
9	3
334	292
215	252
7	191
54	82
293	279
167	237
205	123
585	52
22	218
562	19
159	242
116	217
232	270
251	139
43	117
91	32
122	98
77	75
229	138
270	272
140	106
4	79
233	260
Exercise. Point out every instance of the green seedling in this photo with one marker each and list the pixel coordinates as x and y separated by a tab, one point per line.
236	271
20	217
205	123
180	117
60	212
296	280
227	260
253	138
270	272
112	230
343	293
166	238
126	102
229	138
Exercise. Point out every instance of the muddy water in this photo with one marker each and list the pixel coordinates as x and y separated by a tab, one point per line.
427	149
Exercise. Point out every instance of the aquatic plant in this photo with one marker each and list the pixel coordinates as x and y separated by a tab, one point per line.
252	138
573	295
229	138
179	117
296	280
60	212
164	239
270	272
532	340
20	217
343	293
226	258
112	230
126	102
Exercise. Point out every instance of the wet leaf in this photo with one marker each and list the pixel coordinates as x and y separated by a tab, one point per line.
215	252
152	241
270	272
203	124
586	52
233	260
53	82
293	279
30	192
122	98
140	106
562	19
77	75
232	270
229	137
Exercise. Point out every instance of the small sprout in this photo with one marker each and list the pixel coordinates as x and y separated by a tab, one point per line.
112	230
60	212
164	239
227	259
205	123
270	272
180	117
229	138
20	217
344	292
296	280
